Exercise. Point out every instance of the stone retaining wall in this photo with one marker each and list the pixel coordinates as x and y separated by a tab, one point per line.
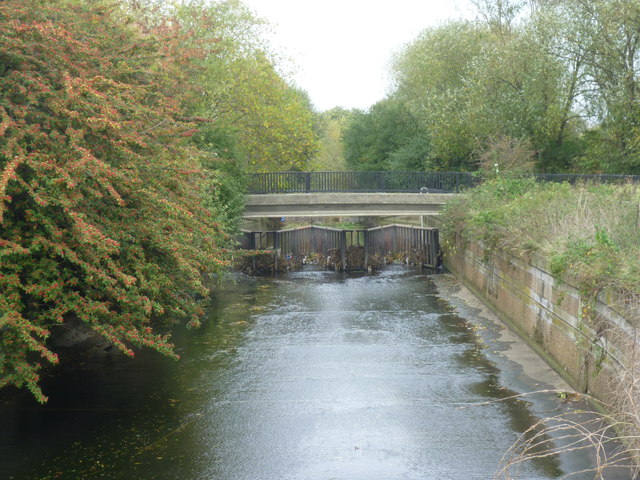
584	344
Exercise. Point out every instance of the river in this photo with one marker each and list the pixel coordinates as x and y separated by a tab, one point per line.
312	375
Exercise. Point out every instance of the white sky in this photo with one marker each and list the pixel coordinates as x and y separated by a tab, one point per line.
342	48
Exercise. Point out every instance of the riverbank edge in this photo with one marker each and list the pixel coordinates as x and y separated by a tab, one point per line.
548	313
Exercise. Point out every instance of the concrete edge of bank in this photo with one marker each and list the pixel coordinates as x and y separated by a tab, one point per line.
583	342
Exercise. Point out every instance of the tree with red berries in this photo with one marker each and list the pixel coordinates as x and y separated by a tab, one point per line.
106	216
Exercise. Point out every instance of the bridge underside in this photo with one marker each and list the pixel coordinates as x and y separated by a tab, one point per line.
344	204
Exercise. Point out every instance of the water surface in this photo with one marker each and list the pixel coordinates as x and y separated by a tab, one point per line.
313	375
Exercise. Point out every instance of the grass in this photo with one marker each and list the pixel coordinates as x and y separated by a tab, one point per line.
611	439
590	232
591	235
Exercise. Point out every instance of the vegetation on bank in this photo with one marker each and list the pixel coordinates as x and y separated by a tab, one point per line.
591	235
589	232
125	127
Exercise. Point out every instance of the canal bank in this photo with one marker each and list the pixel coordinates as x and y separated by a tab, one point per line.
564	414
310	375
582	339
589	339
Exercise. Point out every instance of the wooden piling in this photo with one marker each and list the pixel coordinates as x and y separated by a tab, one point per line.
365	235
418	243
276	248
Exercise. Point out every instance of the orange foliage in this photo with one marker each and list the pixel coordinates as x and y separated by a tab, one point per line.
101	201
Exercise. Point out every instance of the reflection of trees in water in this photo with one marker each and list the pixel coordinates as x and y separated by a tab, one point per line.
230	312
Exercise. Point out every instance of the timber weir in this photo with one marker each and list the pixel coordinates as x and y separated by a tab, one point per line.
348	250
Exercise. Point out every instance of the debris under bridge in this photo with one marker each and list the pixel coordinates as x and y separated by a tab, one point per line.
348	250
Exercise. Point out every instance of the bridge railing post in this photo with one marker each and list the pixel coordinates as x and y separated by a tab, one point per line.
307	182
381	181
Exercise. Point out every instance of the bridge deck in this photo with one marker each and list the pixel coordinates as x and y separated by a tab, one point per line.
344	204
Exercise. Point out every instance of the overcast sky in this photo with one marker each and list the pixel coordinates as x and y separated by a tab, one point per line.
342	48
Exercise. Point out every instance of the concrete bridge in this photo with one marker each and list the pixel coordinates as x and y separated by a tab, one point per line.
358	194
339	204
336	194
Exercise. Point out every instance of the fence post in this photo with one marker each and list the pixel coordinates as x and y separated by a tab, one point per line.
381	183
394	239
365	235
343	249
252	246
308	182
276	248
435	248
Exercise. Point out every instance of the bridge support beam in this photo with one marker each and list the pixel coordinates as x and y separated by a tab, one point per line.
345	204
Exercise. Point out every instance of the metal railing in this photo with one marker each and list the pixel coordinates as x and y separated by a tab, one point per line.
574	178
311	182
401	182
389	239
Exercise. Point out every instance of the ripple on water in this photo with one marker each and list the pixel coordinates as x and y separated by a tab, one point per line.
312	375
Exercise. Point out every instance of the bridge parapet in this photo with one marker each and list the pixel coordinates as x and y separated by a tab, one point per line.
391	182
358	182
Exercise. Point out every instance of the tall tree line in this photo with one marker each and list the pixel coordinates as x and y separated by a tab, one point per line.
124	127
560	74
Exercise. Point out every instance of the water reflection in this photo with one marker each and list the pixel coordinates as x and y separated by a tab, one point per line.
314	375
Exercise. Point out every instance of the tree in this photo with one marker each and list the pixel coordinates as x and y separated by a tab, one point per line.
597	44
469	82
608	32
260	120
106	213
274	122
433	78
331	125
387	137
531	95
